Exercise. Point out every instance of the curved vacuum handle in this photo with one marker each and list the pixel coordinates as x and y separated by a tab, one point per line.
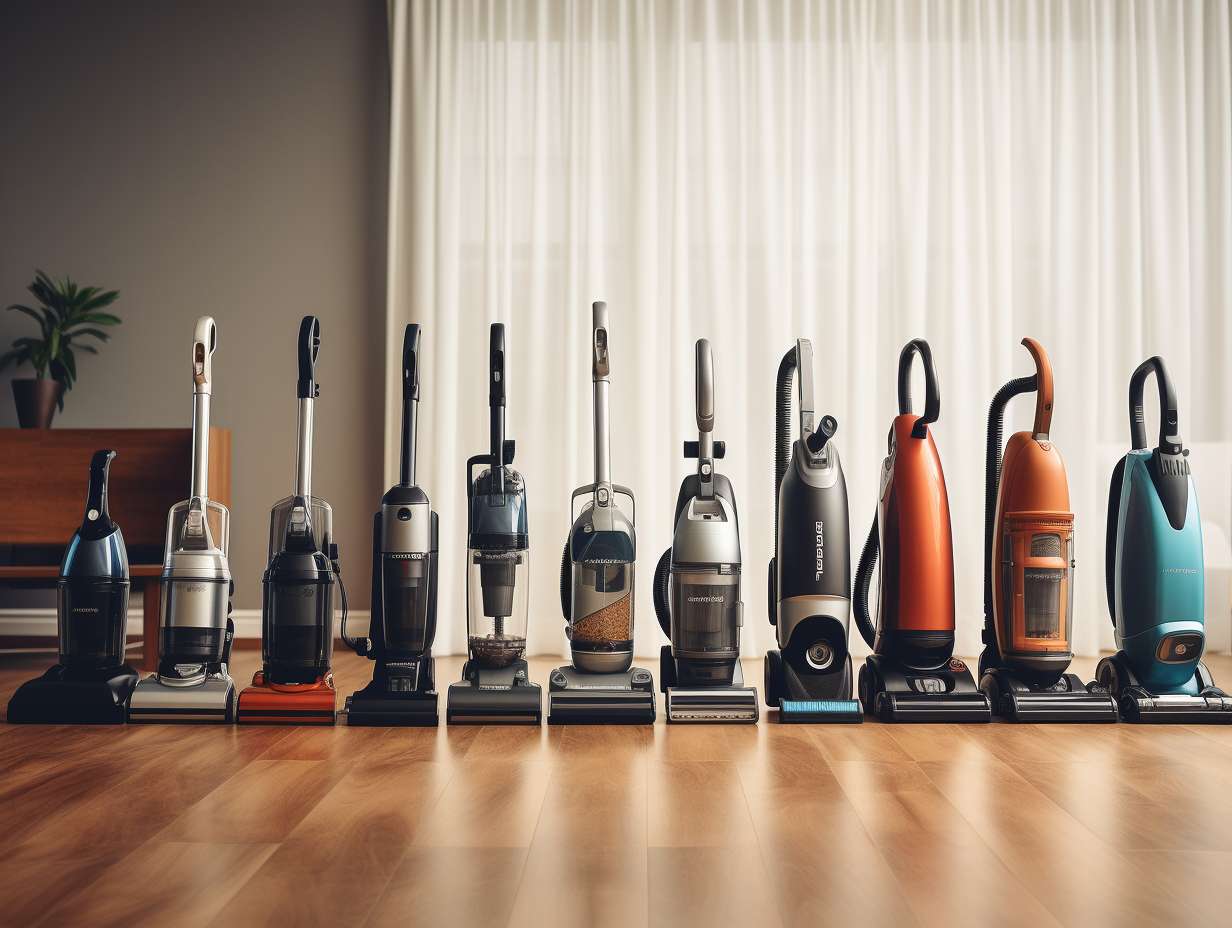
97	520
205	341
410	399
496	365
1043	388
309	345
1169	424
410	362
600	371
705	387
932	394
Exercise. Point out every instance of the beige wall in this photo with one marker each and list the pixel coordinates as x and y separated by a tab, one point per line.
226	158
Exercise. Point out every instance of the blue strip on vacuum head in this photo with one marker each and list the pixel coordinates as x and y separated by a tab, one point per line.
821	710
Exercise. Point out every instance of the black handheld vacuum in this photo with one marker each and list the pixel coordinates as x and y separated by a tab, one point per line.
91	683
295	685
404	557
809	679
597	571
495	685
697	583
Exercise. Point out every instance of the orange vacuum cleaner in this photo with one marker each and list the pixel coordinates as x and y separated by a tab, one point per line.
295	685
1028	569
912	675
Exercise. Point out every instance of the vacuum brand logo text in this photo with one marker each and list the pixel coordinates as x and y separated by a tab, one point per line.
819	539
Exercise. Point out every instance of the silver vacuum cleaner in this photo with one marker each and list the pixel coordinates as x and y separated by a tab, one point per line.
192	683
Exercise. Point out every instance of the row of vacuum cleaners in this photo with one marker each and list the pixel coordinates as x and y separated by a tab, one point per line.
1153	567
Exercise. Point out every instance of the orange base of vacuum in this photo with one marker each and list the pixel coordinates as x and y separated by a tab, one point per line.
288	703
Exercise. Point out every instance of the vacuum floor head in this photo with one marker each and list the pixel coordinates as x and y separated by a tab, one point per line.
1068	700
375	705
1198	702
717	704
894	693
60	698
601	698
212	700
494	696
288	703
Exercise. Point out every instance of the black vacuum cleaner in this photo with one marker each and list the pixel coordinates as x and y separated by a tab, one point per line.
495	685
809	679
697	583
91	683
404	554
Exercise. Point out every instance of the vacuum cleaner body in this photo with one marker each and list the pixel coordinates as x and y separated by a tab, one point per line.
697	584
192	683
405	545
809	677
91	682
596	586
495	685
1155	575
1028	570
295	684
912	674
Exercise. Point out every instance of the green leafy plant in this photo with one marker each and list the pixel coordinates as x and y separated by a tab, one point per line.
68	317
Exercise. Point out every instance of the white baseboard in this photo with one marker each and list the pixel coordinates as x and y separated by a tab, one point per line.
37	623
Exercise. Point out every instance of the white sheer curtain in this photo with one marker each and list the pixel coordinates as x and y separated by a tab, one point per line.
855	173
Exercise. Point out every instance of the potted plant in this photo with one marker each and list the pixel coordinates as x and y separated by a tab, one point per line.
67	316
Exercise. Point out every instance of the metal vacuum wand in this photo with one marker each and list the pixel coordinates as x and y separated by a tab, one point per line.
410	404
600	370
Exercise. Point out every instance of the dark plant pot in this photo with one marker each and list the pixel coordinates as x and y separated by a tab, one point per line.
37	399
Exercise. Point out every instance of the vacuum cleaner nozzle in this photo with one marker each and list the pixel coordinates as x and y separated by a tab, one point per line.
820	710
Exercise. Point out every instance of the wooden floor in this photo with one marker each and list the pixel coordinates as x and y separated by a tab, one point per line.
736	825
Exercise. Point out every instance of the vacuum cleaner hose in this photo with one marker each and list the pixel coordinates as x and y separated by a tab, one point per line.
864	577
782	429
661	576
992	476
566	583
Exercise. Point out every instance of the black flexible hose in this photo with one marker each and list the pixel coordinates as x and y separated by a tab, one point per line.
782	430
566	584
864	577
661	576
992	482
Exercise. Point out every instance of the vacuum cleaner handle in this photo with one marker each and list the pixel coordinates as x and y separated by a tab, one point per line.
205	341
309	345
600	370
1043	388
410	402
932	394
97	521
705	418
1169	424
496	402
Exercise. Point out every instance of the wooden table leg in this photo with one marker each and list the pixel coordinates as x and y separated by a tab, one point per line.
150	624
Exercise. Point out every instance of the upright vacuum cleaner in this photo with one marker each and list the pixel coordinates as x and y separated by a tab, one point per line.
596	586
809	678
295	685
404	592
91	683
495	685
697	584
192	683
1028	569
912	675
1154	574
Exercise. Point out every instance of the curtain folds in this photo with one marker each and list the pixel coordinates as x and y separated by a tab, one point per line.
858	174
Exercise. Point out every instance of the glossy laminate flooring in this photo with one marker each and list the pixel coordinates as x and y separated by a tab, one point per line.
943	825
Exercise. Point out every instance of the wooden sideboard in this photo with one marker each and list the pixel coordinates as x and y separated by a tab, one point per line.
44	474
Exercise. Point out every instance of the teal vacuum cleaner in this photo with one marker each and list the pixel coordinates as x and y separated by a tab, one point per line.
1154	574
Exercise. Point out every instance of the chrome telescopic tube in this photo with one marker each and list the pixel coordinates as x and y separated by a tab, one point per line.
600	371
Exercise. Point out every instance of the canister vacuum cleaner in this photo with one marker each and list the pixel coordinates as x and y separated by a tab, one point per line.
495	685
295	685
596	586
809	679
192	683
1028	569
404	591
912	675
697	583
1154	574
91	682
